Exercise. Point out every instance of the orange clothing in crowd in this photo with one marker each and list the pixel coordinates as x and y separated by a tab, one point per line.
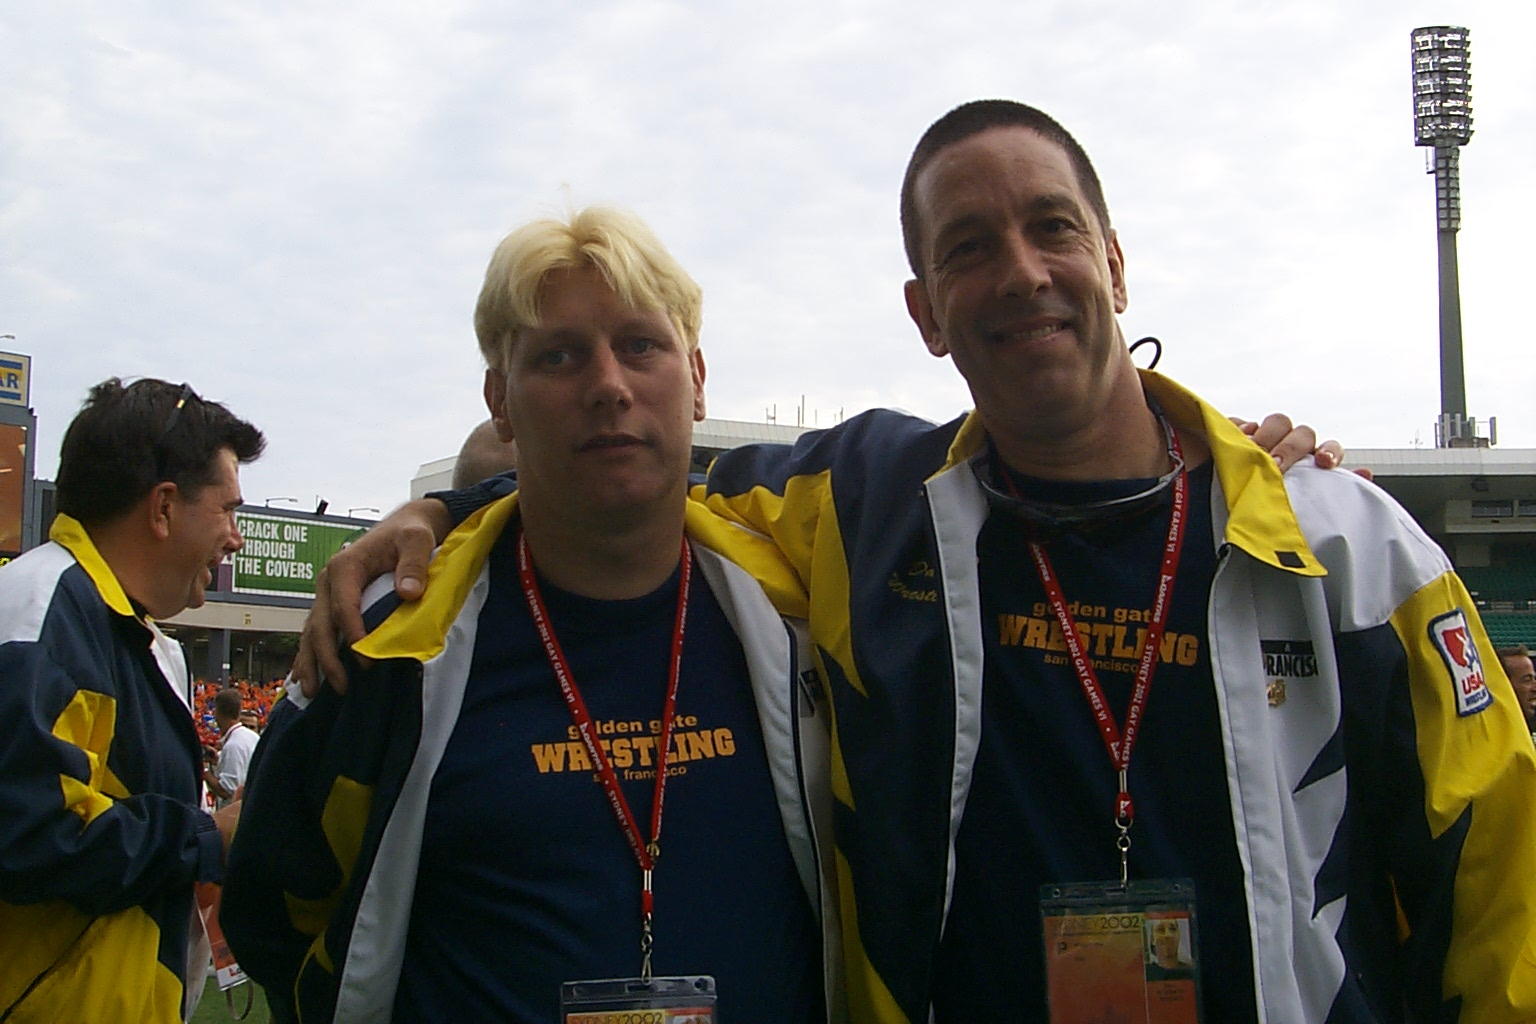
257	697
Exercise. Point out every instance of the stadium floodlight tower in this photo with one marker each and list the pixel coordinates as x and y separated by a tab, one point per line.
1442	119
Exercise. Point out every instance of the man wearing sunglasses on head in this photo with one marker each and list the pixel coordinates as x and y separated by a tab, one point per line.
100	766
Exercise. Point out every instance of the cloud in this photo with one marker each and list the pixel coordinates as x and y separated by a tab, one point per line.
292	205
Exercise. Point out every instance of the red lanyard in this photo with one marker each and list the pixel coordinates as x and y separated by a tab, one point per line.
1117	744
645	851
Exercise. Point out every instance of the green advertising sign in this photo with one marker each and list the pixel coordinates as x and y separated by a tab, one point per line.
282	556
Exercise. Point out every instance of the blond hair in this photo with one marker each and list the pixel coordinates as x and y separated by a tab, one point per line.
622	248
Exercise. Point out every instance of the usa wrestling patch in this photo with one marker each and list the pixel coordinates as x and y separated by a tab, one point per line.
1453	639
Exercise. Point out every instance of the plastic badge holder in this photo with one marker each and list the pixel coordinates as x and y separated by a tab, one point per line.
680	1000
1121	953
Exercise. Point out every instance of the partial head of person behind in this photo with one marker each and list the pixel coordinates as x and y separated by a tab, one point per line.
151	471
971	119
483	455
227	705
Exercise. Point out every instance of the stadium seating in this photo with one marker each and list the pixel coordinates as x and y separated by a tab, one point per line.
1508	582
1506	629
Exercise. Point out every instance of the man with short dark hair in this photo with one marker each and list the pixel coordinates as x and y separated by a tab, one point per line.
227	774
104	833
1102	666
1522	676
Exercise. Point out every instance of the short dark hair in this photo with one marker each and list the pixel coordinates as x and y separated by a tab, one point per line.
129	437
228	703
973	118
1517	651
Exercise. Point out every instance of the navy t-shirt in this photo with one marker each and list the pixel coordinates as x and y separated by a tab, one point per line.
526	880
1042	798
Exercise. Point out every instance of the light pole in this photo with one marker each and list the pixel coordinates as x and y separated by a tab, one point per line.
269	501
362	508
1442	119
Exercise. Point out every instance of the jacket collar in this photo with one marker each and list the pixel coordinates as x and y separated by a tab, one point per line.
419	629
70	534
1260	520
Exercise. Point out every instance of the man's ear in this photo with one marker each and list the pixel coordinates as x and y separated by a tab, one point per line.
160	508
1116	270
920	309
696	365
495	391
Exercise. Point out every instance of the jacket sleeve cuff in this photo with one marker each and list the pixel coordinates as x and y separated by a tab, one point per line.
210	849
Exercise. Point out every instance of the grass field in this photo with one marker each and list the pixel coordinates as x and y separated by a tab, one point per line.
213	1009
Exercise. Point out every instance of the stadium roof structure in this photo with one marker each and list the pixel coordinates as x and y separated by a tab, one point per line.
1459	490
1479	504
723	435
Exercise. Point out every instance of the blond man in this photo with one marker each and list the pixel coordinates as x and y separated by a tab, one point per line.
482	827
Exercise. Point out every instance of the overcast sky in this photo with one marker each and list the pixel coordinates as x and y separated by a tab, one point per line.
291	205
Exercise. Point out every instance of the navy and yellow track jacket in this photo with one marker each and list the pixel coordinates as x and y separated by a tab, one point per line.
322	874
101	835
1385	814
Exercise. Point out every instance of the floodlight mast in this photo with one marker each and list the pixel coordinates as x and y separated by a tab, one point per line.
1442	119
